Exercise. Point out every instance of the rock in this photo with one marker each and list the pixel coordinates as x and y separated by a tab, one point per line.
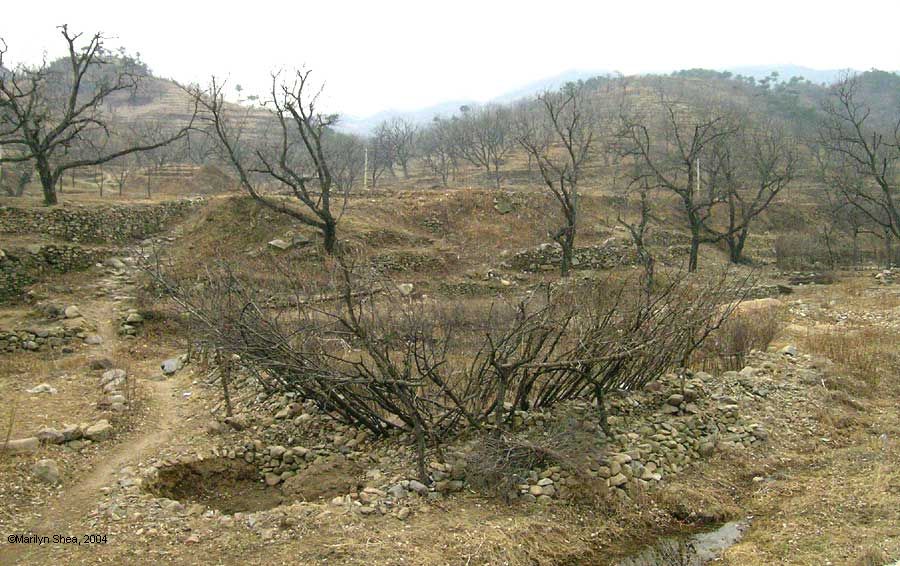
237	422
280	244
112	375
101	430
42	388
49	435
171	365
93	340
101	363
503	206
72	312
617	480
675	400
46	471
114	263
403	513
21	445
134	318
418	487
397	491
272	479
789	350
405	289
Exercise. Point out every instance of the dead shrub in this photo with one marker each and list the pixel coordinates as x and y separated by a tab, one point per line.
498	465
728	346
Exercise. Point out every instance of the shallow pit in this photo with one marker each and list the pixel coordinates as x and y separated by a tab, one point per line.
231	486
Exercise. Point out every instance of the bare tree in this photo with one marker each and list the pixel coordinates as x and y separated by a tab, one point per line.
346	153
484	138
437	149
14	178
863	158
401	137
668	152
560	138
748	169
381	153
297	160
44	113
638	231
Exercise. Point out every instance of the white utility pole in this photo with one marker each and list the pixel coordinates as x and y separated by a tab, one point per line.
366	170
698	176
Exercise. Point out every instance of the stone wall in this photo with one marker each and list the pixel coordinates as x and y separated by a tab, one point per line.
22	267
98	224
35	339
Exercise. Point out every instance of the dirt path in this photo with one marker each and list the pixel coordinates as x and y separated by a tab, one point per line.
72	508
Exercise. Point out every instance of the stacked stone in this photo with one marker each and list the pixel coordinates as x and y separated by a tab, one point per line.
38	339
548	256
114	383
94	224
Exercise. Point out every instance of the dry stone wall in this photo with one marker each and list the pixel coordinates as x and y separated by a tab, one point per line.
100	224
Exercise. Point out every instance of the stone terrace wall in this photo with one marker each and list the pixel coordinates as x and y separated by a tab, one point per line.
22	267
98	224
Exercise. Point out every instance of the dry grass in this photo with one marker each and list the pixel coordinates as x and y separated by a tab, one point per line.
870	355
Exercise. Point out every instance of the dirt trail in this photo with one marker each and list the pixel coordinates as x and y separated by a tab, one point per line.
74	505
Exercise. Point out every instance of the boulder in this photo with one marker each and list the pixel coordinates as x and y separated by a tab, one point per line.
49	435
405	289
114	263
101	430
21	445
72	312
46	471
171	365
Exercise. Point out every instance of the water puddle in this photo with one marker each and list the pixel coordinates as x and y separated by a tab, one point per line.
695	550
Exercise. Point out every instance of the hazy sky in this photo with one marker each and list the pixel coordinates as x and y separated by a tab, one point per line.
381	54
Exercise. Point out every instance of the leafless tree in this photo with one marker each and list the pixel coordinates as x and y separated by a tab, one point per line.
484	138
668	147
14	178
45	112
297	160
400	136
748	170
346	153
863	158
560	138
381	154
437	149
639	230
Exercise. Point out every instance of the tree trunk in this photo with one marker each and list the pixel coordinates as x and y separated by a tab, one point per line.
695	248
48	183
329	235
888	248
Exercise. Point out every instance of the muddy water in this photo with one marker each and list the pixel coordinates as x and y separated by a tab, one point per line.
695	550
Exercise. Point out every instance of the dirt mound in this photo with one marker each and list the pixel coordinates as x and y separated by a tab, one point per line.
324	480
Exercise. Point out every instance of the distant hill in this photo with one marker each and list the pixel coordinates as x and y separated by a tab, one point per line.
363	125
786	72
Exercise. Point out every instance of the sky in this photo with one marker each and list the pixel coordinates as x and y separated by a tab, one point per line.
402	55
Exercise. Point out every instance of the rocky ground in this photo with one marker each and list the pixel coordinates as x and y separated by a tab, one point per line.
121	439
